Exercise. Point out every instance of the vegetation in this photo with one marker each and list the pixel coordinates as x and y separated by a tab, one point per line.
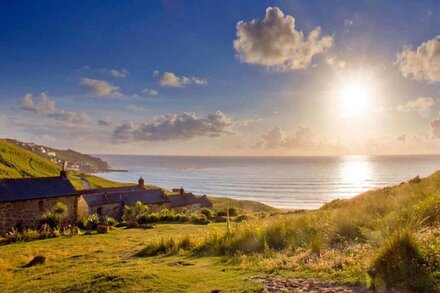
18	162
95	164
385	234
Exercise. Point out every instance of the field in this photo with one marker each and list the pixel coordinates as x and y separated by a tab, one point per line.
103	262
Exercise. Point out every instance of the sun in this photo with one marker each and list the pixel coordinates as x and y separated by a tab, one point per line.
354	99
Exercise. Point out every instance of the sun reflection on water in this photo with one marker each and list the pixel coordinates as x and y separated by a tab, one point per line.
355	173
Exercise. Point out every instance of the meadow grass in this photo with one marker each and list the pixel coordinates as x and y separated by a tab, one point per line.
108	262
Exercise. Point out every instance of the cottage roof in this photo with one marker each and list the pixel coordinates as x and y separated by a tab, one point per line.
127	196
204	201
111	189
35	188
178	200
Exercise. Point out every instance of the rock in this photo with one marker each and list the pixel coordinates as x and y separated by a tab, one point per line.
38	260
103	228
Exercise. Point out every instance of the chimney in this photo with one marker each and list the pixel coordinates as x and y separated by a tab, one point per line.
63	172
141	182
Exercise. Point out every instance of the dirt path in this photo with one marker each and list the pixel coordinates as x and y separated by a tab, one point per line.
279	284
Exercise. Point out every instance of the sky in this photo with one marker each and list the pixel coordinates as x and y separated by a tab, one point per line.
222	77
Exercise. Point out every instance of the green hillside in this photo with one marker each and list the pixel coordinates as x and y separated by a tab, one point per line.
18	162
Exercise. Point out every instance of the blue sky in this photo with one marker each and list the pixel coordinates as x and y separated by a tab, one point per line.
95	61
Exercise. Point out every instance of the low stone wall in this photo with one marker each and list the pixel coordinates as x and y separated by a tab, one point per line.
27	213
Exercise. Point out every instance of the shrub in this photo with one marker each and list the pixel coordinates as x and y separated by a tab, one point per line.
55	216
29	235
45	231
82	222
111	221
71	230
92	222
144	219
184	218
207	213
51	219
400	265
13	236
201	219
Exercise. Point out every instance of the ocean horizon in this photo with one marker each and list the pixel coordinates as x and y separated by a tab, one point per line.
282	182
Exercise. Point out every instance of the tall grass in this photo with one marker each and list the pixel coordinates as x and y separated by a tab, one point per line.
345	234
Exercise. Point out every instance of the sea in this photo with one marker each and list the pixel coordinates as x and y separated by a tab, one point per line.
282	182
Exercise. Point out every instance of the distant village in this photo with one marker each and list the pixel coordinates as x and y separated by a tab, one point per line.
75	160
24	201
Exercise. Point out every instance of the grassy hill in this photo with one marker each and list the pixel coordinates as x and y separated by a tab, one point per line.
18	162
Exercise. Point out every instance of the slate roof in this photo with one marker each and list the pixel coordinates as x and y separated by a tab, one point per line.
126	196
148	196
35	188
204	201
178	200
111	189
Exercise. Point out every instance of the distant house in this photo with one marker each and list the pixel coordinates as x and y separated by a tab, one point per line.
180	199
204	202
23	201
109	202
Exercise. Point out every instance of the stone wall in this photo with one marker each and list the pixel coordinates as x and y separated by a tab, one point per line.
113	210
27	213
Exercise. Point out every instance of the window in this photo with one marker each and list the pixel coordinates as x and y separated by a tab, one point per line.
99	211
41	205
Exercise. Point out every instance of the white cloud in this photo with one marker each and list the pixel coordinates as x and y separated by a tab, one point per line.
150	92
46	107
136	108
43	106
69	116
123	73
275	138
422	64
169	79
421	105
175	127
333	61
100	87
275	43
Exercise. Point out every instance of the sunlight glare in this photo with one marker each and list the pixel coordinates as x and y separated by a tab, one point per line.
353	100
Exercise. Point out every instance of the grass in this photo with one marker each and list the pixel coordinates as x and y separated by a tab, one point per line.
345	240
103	262
18	162
249	206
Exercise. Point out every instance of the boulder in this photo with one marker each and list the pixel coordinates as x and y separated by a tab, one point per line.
38	260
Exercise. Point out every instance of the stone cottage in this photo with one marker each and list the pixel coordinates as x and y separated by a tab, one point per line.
109	202
180	199
23	201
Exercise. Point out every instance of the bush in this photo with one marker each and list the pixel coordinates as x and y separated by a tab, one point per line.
207	213
111	221
29	235
201	219
82	222
184	218
145	219
55	216
51	219
92	222
13	236
400	265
